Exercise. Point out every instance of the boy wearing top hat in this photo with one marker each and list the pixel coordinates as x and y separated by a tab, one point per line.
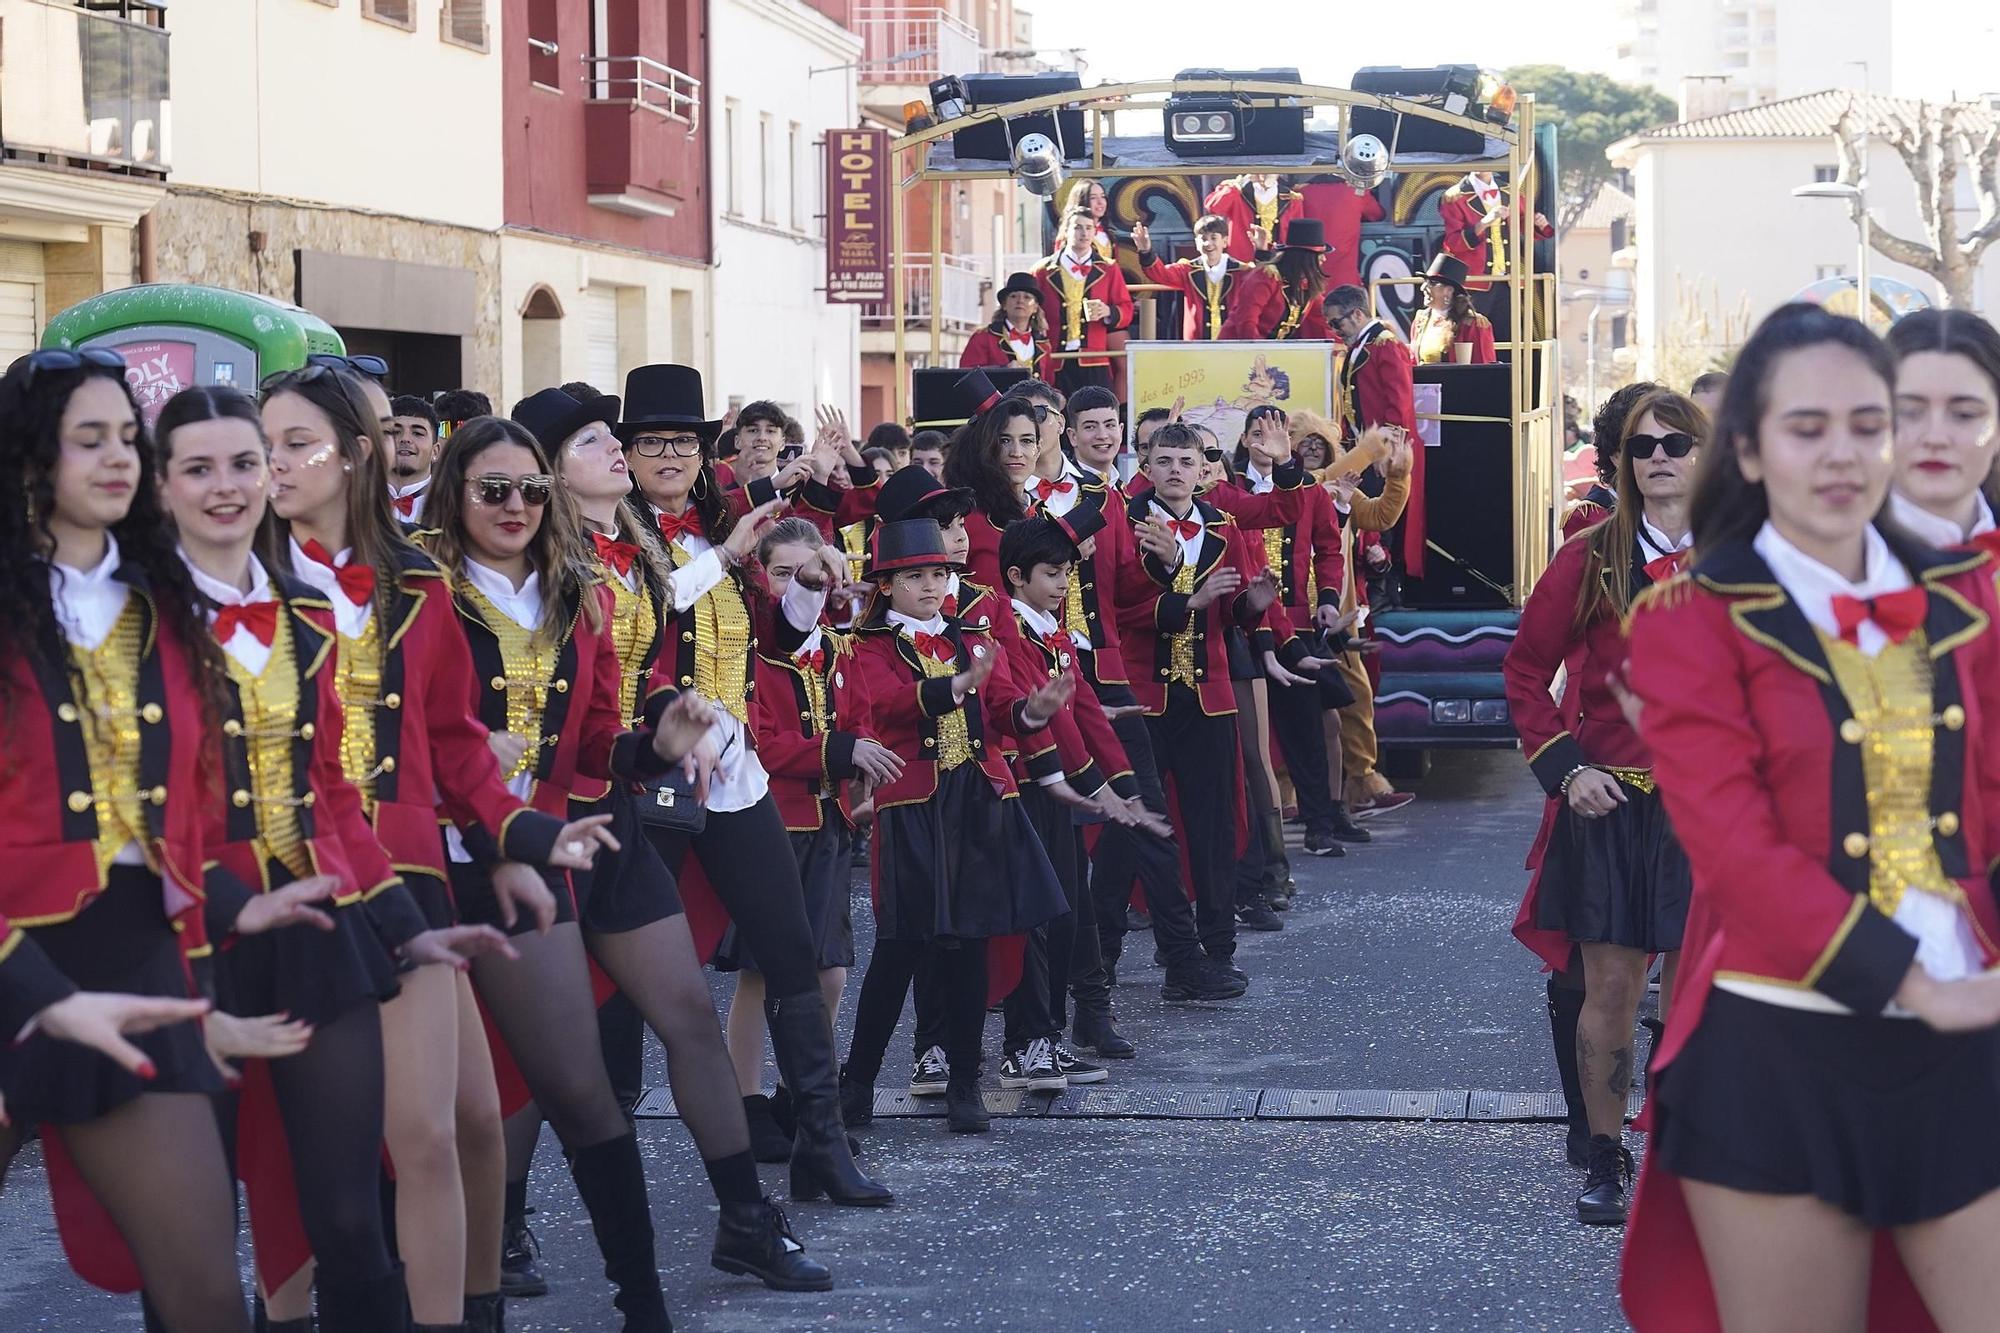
1285	306
1084	298
1016	336
1209	286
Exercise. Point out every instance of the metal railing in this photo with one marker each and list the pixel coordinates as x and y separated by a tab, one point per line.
903	45
650	83
959	303
83	85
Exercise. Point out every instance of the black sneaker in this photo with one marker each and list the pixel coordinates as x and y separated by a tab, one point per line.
1228	968
931	1073
1196	981
1344	828
1320	841
964	1109
1256	916
518	1251
1033	1069
1076	1071
1602	1203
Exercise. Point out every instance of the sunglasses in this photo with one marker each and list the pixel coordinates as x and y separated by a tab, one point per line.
372	366
657	446
493	489
56	360
1678	445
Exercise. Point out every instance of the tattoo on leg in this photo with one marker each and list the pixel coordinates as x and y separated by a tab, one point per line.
1620	1081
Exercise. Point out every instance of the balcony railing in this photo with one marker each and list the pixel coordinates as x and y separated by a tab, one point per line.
959	299
903	45
83	85
644	81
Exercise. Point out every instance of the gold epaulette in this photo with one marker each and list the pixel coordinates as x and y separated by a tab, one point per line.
1674	592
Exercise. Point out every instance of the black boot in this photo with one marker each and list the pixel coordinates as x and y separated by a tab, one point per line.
768	1143
857	1101
486	1314
1602	1203
518	1247
822	1162
373	1305
1343	827
964	1107
756	1240
611	1180
1565	1004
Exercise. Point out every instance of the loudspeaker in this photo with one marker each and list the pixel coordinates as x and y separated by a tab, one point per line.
1258	126
1441	87
988	140
1468	493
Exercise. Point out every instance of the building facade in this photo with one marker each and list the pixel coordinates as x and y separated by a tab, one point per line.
783	71
1594	286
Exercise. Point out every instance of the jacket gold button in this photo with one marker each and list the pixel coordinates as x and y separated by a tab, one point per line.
1855	845
929	743
805	717
1853	732
308	799
239	799
231	727
1953	718
687	682
151	714
562	686
687	636
392	700
306	732
79	801
158	796
1947	823
67	712
497	683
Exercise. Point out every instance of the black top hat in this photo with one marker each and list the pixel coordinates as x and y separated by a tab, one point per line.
665	395
948	396
913	492
552	416
1019	282
907	543
1305	234
1447	268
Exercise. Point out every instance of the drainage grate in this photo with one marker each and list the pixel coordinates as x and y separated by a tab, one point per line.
1157	1103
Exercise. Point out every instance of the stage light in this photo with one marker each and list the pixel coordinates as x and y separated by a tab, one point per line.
1038	164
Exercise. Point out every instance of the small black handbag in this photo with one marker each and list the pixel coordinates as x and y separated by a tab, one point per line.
668	802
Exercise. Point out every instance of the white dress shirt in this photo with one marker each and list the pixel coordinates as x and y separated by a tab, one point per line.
88	602
417	489
1190	546
1256	482
1928	528
703	570
1059	502
350	618
1655	544
1813	586
251	655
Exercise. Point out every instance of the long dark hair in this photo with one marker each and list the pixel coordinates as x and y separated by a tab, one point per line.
1955	333
973	462
556	552
1299	270
373	533
1459	309
1607	559
1727	505
31	411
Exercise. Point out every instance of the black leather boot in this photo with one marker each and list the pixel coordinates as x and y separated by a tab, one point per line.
756	1240
857	1101
822	1161
373	1305
486	1314
1602	1203
611	1180
768	1143
1565	1005
964	1108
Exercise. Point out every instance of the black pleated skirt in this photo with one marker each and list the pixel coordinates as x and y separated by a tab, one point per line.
1884	1118
630	887
478	905
826	873
121	942
965	864
303	971
1243	663
1621	879
433	896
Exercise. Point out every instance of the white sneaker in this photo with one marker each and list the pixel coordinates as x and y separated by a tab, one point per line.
1033	1069
931	1074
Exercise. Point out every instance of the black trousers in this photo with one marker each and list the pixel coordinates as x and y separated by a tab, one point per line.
1296	718
1038	1006
1200	753
956	976
1125	854
747	857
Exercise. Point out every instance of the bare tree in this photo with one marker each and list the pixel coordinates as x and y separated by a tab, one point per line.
1937	142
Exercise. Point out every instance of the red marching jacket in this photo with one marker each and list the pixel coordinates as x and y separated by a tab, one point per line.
989	347
1103	283
1377	388
1341	208
1762	773
1082	744
1200	318
792	712
1304	557
1466	234
1235	201
1269	312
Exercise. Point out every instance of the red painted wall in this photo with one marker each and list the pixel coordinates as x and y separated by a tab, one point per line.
547	150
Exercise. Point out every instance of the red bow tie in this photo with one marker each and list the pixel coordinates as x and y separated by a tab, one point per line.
1184	528
406	505
619	555
260	618
1668	565
1894	613
814	661
934	646
687	523
357	582
1044	488
1988	542
950	605
1057	642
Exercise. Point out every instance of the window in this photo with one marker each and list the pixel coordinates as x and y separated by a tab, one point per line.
1619	238
463	23
544	59
1618	323
732	155
796	179
1824	271
767	188
395	13
1823	175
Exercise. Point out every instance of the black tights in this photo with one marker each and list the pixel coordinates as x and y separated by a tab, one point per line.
157	1166
960	976
544	1011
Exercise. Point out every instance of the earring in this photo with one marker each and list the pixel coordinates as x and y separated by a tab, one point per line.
347	467
700	489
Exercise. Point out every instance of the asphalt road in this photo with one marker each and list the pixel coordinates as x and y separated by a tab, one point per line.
1395	972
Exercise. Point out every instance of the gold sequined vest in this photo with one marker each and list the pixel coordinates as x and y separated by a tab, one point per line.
357	678
954	742
270	704
1180	646
528	660
110	708
635	627
721	642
